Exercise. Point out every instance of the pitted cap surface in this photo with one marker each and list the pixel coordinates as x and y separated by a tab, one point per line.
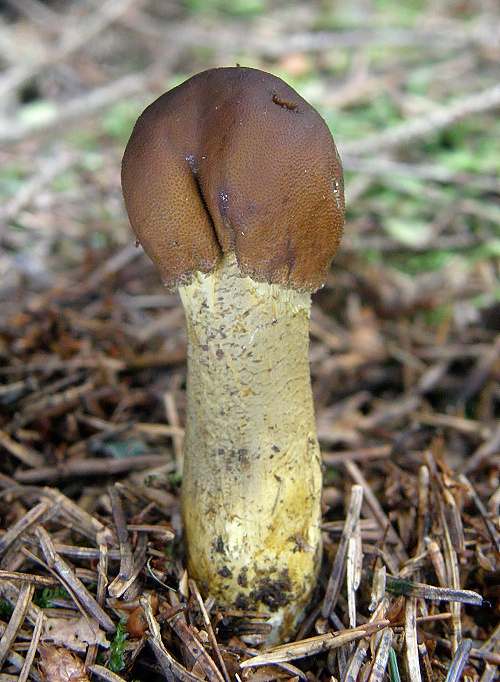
234	160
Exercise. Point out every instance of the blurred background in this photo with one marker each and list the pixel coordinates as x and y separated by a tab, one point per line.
410	91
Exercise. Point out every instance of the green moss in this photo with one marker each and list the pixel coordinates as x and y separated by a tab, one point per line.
6	609
45	600
117	648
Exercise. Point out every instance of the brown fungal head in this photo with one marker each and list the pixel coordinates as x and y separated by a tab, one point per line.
234	160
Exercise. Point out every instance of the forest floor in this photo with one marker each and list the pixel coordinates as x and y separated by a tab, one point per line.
404	355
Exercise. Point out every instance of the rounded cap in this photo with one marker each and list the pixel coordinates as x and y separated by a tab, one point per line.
234	160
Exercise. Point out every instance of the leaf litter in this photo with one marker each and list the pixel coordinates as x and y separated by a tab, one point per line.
405	353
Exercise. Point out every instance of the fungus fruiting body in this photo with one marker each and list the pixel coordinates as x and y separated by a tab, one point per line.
234	187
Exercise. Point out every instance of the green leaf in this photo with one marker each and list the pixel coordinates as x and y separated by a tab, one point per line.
393	666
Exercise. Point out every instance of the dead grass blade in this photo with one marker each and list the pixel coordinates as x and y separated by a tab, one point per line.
102	583
105	673
30	655
29	519
411	644
459	660
173	671
208	625
359	654
126	565
422	127
409	588
482	510
381	657
195	647
16	620
354	471
339	564
314	645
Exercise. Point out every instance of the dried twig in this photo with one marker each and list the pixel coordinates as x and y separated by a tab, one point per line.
80	107
194	645
427	125
407	587
105	673
74	586
123	539
490	447
36	580
32	517
23	453
102	583
90	467
74	34
56	165
359	654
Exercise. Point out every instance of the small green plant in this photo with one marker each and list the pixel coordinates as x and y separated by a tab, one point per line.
6	608
45	600
393	666
117	648
241	8
174	479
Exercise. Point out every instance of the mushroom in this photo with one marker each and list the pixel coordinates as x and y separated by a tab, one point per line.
234	187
